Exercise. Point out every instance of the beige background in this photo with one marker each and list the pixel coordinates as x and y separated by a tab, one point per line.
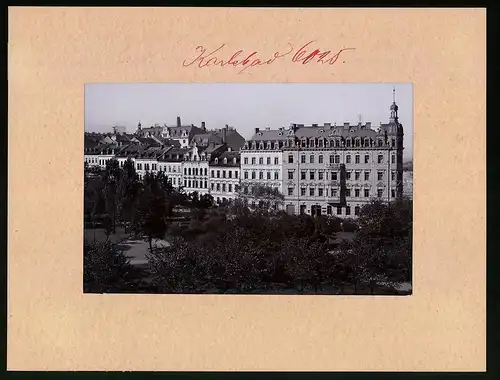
52	325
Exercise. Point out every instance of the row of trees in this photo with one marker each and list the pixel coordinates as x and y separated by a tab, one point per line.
263	251
233	249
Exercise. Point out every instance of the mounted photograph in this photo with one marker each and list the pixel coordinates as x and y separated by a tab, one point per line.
248	188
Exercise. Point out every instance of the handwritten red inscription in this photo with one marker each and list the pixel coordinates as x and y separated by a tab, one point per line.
304	55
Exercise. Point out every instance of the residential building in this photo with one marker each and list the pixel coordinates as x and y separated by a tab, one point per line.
334	170
225	176
261	160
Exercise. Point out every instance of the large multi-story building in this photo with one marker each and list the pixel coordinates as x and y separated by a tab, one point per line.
261	160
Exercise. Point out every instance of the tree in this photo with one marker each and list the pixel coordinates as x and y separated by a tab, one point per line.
106	269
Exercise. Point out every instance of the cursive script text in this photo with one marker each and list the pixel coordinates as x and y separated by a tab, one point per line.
244	61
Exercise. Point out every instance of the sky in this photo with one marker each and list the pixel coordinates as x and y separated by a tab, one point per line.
246	106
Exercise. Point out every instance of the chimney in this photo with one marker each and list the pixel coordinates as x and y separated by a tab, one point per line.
346	125
327	125
203	126
315	125
256	130
229	149
224	135
178	121
368	124
227	127
268	128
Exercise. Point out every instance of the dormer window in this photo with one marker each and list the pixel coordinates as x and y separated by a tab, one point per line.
304	142
261	145
254	145
225	160
348	143
269	145
276	145
357	142
216	161
234	160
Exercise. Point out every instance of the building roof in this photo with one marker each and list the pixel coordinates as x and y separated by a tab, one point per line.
229	156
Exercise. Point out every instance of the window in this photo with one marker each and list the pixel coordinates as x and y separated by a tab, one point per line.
329	210
379	193
320	176
366	193
393	159
153	166
189	183
356	210
356	159
245	160
334	192
218	173
380	176
380	159
213	174
380	142
139	167
320	159
230	174
185	183
261	175
253	175
303	191
320	192
261	160
223	174
268	175
303	175
303	159
230	188
347	192
356	193
218	187
290	158
223	187
290	174
311	159
367	158
337	159
269	160
334	176
245	174
311	175
339	210
393	193
348	210
393	142
356	175
205	171
348	159
276	175
357	142
212	186
253	160
311	191
348	143
302	209
236	174
332	159
393	176
348	176
146	166
290	191
367	176
275	160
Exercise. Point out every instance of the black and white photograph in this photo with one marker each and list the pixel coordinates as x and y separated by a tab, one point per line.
248	188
